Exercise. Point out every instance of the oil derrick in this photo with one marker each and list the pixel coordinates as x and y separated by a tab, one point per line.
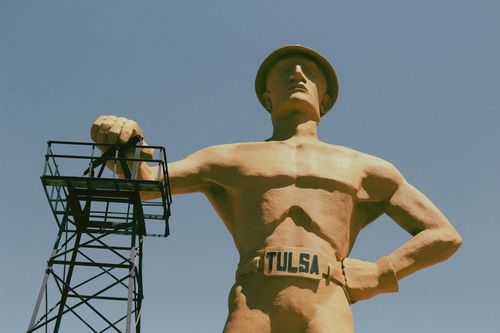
93	278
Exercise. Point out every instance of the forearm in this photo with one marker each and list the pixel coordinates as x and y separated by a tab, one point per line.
185	176
144	172
366	279
426	248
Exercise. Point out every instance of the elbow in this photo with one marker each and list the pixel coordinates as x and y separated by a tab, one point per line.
452	237
449	240
456	240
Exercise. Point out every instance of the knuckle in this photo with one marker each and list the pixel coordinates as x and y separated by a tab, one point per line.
125	131
113	131
107	124
124	136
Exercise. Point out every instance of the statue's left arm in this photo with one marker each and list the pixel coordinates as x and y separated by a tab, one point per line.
433	240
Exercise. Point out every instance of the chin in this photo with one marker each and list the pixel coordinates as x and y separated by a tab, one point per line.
299	106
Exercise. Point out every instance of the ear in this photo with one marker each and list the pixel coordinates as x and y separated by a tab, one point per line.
326	104
266	99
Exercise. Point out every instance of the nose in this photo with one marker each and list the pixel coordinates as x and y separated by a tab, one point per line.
297	75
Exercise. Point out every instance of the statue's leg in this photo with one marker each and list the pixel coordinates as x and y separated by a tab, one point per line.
243	319
287	322
333	316
330	324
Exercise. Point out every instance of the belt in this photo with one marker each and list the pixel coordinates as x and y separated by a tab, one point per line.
294	261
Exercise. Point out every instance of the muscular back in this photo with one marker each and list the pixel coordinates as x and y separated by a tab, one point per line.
295	193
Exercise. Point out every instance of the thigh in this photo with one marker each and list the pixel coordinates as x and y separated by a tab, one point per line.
287	322
334	316
247	321
243	319
329	324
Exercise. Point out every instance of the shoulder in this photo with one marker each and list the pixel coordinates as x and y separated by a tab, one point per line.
211	154
377	168
380	178
345	152
224	154
229	148
372	166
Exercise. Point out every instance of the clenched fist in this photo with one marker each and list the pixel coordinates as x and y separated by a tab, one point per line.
114	130
366	279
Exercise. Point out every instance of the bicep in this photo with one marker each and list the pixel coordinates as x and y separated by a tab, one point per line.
407	206
192	174
413	211
185	176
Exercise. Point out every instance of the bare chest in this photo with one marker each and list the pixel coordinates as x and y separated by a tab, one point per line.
294	194
307	166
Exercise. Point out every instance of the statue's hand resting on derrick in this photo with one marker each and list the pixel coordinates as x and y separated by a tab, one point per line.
295	205
111	129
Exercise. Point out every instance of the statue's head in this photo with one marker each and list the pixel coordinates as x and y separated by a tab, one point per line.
296	78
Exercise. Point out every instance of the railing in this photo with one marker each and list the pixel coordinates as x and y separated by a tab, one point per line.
81	166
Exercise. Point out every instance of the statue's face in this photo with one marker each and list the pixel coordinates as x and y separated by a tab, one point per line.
295	84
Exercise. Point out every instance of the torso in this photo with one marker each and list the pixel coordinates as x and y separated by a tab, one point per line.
289	193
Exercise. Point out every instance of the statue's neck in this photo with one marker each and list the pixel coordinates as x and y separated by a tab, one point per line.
294	127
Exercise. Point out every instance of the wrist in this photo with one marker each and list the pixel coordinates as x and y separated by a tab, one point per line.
388	281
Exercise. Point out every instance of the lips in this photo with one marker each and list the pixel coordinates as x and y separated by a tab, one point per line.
295	88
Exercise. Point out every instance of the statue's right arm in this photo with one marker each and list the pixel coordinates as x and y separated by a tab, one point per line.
185	176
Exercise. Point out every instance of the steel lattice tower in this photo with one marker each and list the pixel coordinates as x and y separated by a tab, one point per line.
96	261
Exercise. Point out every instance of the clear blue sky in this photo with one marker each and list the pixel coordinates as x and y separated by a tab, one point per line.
419	87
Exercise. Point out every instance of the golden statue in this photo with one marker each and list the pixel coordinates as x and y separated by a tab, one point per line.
295	205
